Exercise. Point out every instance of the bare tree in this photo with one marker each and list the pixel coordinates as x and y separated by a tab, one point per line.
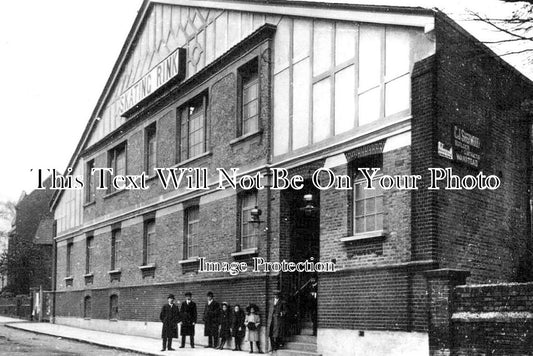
516	29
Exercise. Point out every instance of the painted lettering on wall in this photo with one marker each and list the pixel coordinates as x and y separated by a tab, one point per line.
170	67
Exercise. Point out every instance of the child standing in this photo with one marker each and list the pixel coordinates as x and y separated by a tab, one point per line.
252	323
237	327
225	325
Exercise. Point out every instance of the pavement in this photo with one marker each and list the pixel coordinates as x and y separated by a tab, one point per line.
139	344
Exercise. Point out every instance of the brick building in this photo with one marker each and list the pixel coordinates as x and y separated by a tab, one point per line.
29	252
300	86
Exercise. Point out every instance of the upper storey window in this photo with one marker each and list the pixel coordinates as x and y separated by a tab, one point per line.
249	98
331	78
192	128
150	149
384	81
116	158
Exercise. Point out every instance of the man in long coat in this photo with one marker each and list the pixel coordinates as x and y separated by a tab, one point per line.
211	320
169	316
188	315
277	322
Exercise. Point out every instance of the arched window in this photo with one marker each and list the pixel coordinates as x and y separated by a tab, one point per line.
113	307
87	307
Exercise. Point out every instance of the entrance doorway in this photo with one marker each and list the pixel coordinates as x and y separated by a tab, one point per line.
304	236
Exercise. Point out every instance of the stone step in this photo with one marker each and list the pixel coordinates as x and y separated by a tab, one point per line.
306	331
300	346
285	352
310	339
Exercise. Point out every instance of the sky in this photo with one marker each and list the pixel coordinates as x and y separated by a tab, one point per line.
56	55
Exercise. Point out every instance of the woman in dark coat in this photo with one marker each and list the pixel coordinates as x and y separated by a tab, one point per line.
169	316
225	325
237	326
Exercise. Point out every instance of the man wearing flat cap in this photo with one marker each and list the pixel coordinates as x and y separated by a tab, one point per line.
188	316
170	317
211	320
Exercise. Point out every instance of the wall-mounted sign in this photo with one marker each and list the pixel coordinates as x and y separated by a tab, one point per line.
172	66
445	151
466	146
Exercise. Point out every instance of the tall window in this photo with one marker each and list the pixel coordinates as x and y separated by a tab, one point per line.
117	161
115	243
148	238
192	221
89	181
150	149
331	77
89	242
113	307
87	307
368	206
249	97
384	64
248	233
192	128
70	245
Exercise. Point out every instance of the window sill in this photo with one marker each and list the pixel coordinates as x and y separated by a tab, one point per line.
89	203
249	251
187	161
364	236
189	260
69	278
147	267
115	271
245	137
88	275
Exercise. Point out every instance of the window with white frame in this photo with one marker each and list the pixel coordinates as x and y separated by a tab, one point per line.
192	222
249	97
192	127
117	161
150	149
367	206
331	77
248	233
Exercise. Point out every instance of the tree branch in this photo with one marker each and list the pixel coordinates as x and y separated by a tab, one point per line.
499	28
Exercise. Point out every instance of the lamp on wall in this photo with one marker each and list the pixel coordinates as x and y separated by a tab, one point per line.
309	208
255	216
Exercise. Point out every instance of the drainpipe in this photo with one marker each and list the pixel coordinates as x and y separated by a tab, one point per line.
54	273
266	57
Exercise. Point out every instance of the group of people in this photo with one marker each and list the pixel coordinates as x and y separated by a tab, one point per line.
220	322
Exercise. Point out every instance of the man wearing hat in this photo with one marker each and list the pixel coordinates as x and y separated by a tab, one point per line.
211	320
188	319
169	316
277	321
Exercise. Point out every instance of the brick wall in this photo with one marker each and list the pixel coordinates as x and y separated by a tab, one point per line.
486	320
373	299
143	303
478	92
221	132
